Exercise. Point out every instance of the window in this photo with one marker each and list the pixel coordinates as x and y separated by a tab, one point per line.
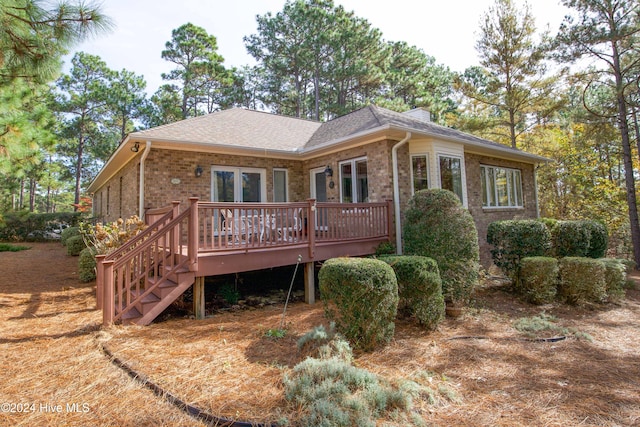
354	186
451	174
230	184
419	172
501	187
280	185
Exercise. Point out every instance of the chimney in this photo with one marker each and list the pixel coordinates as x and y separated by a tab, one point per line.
419	113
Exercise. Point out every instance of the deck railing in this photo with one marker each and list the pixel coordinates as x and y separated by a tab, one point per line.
246	226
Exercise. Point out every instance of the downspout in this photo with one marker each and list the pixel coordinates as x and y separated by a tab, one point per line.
535	189
396	191
141	200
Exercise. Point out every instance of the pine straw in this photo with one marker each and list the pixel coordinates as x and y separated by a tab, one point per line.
49	337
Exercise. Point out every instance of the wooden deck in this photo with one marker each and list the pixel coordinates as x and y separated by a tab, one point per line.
178	249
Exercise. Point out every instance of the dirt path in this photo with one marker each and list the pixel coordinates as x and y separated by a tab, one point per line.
54	373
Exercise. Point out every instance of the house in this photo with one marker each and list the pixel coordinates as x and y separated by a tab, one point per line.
372	155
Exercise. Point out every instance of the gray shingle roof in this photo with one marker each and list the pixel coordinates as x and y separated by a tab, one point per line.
237	127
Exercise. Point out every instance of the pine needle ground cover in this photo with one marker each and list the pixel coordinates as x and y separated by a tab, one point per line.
479	368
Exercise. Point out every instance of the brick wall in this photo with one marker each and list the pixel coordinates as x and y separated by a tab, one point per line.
482	216
119	197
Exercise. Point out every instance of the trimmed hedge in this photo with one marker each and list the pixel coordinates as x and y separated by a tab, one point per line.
67	233
86	265
516	239
582	280
419	288
615	278
437	226
361	296
75	245
538	279
579	239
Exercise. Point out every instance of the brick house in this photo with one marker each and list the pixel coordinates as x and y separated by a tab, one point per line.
240	155
241	190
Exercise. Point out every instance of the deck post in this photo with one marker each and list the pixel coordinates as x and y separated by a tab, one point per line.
198	298
311	227
99	280
309	283
192	242
108	302
390	219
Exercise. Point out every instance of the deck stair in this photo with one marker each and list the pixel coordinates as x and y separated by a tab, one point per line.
142	278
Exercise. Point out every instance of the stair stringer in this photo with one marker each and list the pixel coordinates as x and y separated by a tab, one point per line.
185	280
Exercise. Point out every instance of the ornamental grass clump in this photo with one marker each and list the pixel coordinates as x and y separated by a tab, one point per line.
437	226
419	288
361	296
538	279
106	238
582	280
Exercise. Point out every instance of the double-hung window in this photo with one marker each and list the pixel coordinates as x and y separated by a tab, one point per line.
354	186
501	187
280	185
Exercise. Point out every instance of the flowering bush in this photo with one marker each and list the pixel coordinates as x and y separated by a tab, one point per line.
106	238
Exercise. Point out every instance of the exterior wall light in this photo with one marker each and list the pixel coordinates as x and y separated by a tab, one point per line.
198	171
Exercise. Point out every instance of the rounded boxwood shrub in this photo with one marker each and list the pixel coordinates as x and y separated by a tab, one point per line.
582	280
87	265
599	239
361	296
538	279
437	226
615	278
419	288
513	240
571	239
75	245
67	233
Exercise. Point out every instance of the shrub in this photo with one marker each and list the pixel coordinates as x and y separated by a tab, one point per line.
599	240
86	265
437	226
419	288
19	225
582	280
571	239
538	279
75	245
516	239
361	296
67	233
386	248
615	277
322	344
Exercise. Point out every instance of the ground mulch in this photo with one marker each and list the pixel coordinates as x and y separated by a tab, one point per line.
481	369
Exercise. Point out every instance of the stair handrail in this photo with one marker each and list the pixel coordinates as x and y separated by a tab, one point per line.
152	234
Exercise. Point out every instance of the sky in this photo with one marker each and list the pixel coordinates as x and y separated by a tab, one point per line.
446	30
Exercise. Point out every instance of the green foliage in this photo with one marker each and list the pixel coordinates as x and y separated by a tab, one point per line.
86	265
438	226
419	288
229	293
599	240
538	279
582	280
5	247
361	296
516	239
385	248
75	245
615	277
275	333
533	326
571	239
68	232
18	225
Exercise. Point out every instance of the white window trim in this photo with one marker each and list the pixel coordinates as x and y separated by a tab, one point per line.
427	172
354	187
286	182
238	183
463	174
495	195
